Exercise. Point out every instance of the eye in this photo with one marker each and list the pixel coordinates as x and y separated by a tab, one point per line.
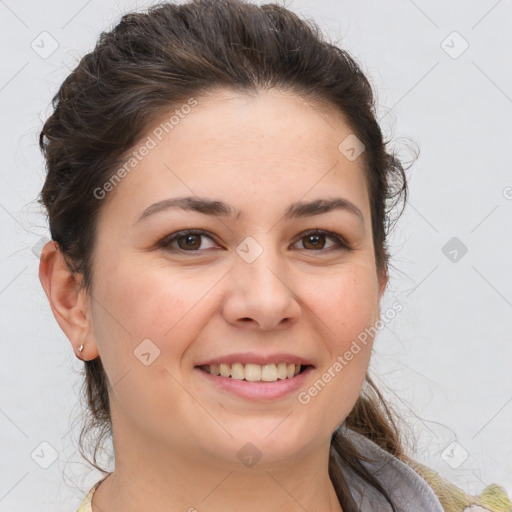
186	240
316	241
190	241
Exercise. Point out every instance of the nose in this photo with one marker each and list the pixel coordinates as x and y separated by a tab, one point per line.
260	292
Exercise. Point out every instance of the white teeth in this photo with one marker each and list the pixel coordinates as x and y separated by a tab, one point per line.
268	372
282	371
252	372
255	372
237	371
225	370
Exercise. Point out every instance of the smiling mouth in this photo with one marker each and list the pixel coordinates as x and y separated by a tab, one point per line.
255	372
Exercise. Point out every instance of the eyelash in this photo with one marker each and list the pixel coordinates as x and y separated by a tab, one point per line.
167	241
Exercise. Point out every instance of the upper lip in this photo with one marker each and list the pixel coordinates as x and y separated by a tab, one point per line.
253	358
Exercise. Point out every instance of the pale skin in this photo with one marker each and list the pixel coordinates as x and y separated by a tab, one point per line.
176	437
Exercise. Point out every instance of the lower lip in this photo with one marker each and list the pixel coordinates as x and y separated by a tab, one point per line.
258	391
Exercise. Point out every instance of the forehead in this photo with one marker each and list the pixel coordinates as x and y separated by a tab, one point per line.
275	146
270	122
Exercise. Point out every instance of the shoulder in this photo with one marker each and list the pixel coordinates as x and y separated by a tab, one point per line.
415	487
86	505
453	499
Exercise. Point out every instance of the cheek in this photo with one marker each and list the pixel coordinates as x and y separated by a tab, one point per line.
146	302
344	309
144	295
132	308
345	303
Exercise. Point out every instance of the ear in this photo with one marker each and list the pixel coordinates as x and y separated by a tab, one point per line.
69	304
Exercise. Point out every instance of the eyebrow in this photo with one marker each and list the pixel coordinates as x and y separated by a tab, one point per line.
221	209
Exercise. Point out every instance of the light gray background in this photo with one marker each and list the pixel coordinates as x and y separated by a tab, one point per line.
444	361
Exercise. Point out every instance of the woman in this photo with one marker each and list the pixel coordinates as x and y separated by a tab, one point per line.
219	198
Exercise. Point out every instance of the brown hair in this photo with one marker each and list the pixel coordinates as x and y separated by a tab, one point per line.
151	62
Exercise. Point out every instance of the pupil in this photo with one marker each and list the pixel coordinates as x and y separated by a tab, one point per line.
187	239
315	239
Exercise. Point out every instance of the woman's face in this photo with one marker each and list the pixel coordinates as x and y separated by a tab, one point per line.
253	287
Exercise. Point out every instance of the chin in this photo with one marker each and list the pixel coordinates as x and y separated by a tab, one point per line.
262	445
